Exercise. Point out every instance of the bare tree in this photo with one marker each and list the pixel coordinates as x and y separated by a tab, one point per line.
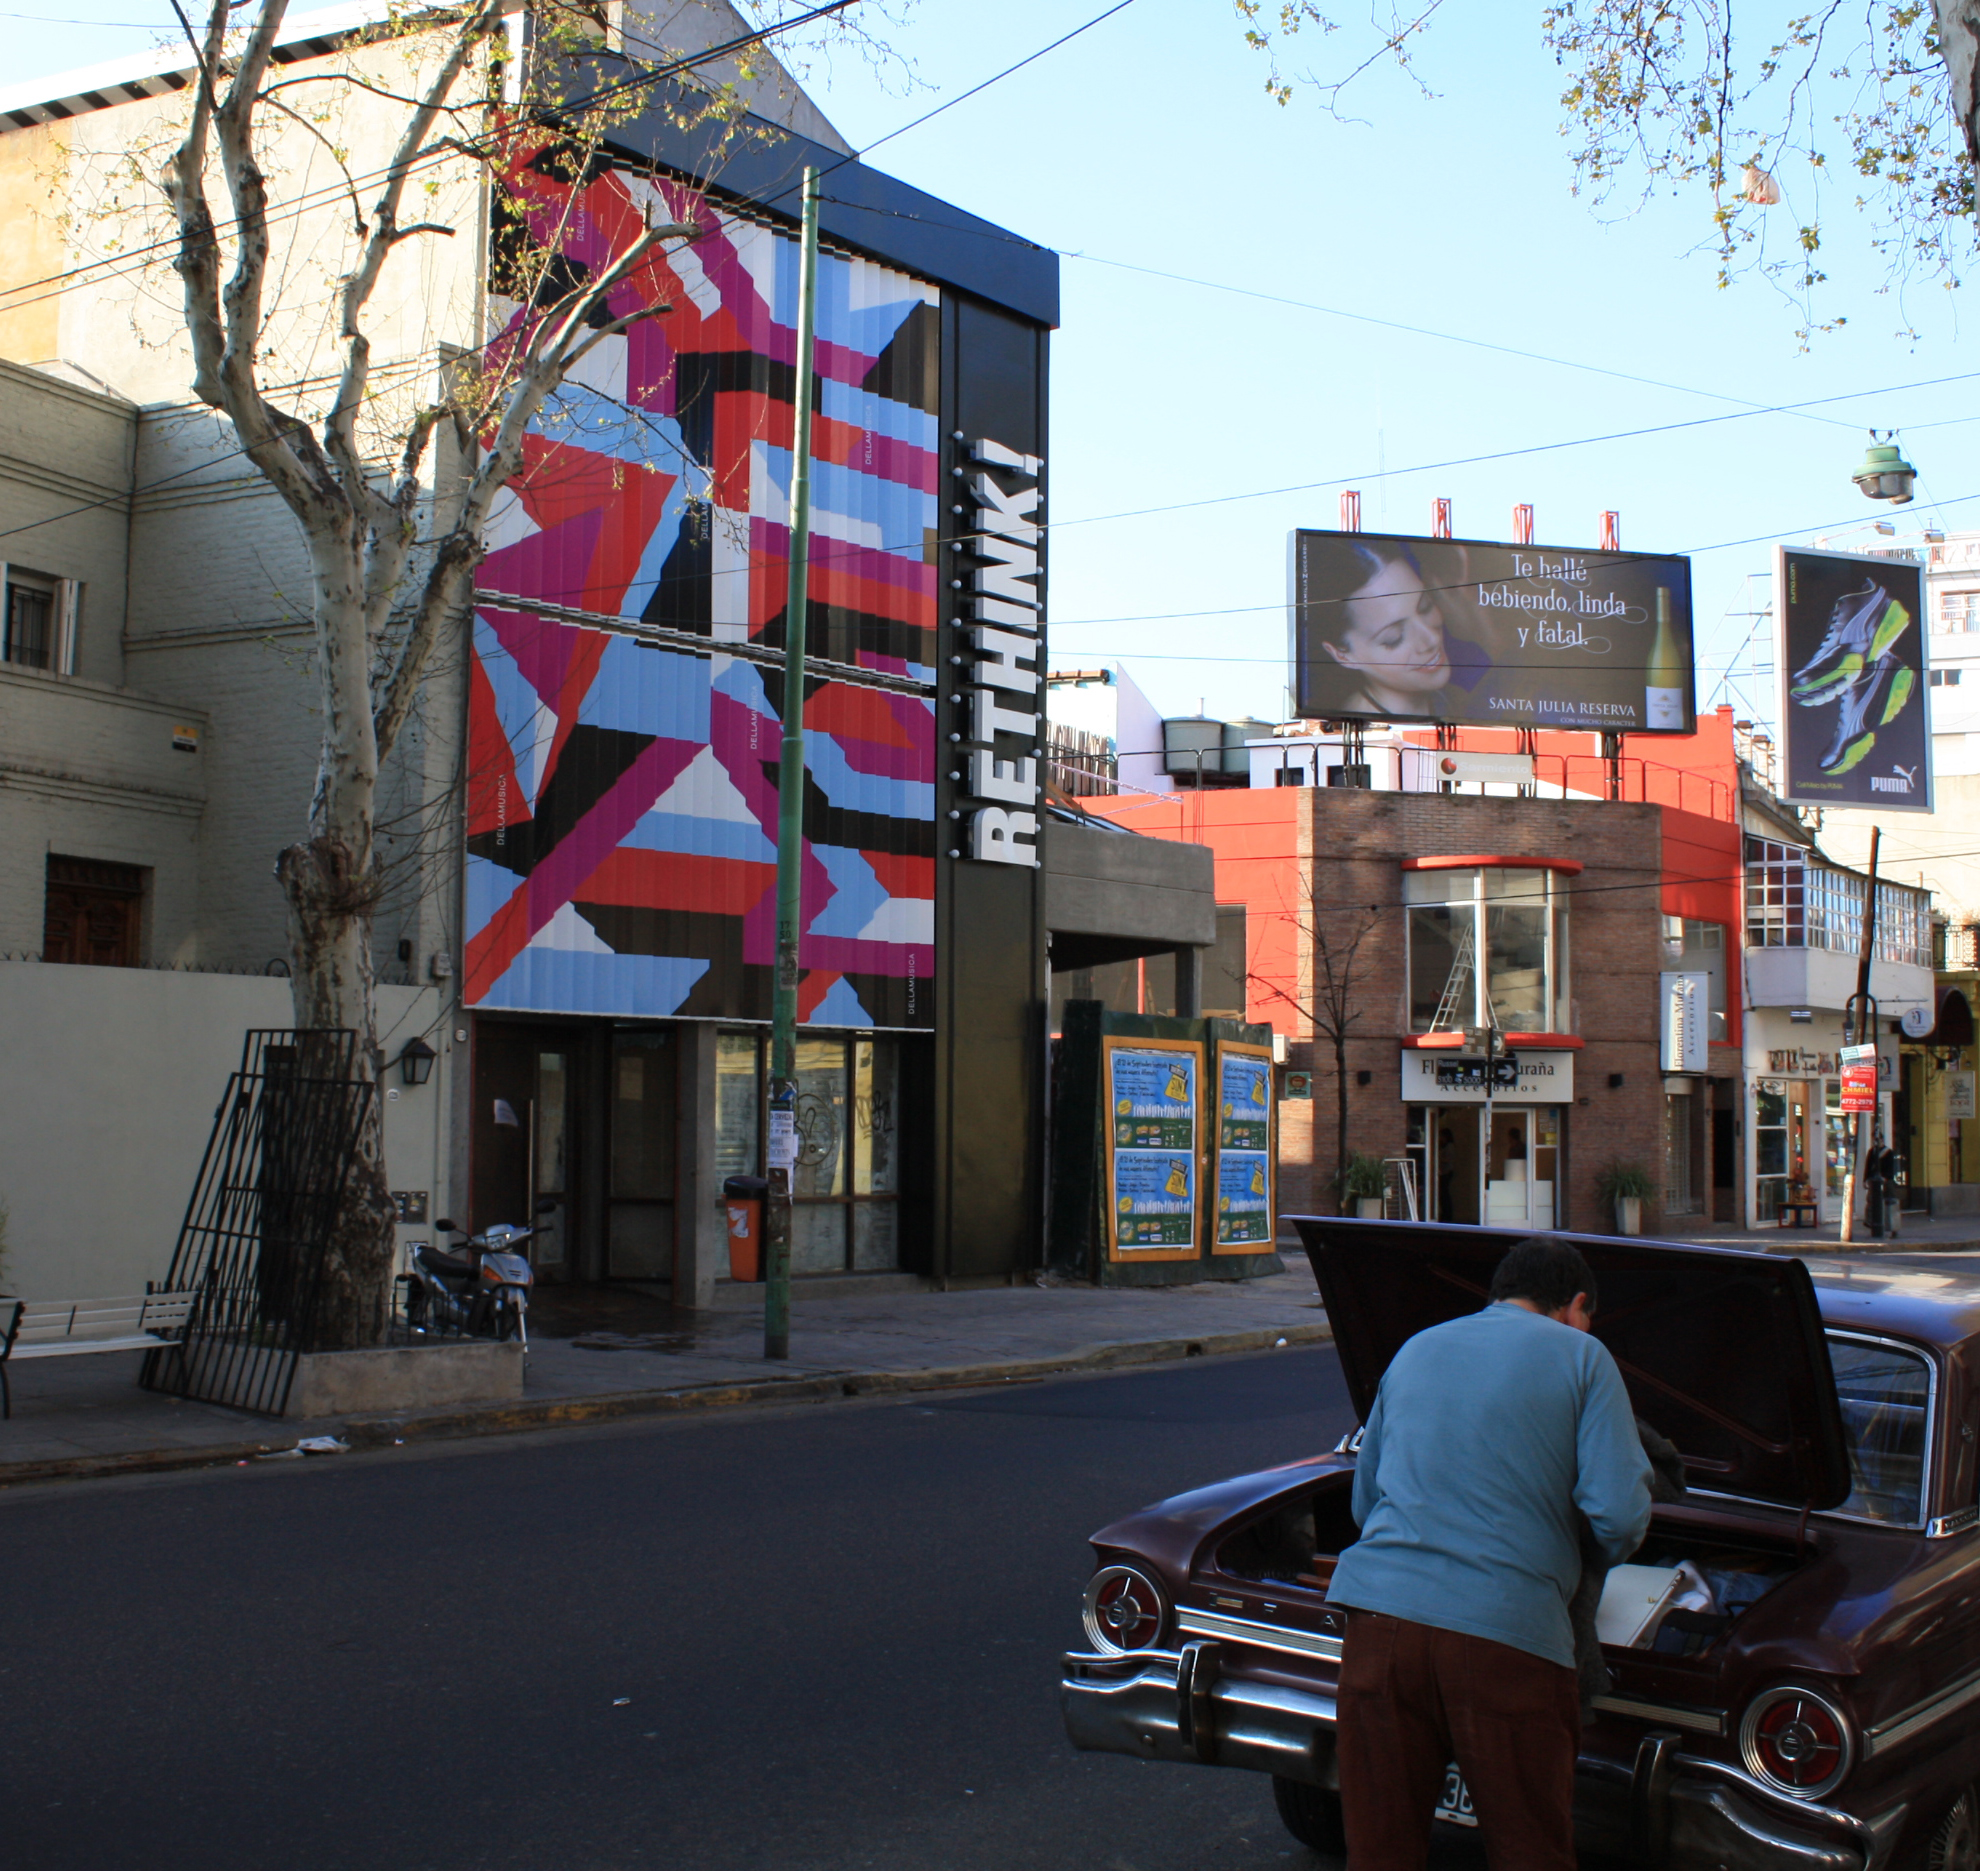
1336	1001
1761	111
381	595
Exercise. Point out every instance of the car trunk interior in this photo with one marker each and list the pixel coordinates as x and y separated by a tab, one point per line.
1700	1568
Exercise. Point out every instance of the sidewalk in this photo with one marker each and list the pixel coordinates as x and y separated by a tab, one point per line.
1918	1234
611	1353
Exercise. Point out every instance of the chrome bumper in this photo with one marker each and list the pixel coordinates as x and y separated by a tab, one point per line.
1666	1809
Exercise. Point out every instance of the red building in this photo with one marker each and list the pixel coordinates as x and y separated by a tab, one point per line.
1383	930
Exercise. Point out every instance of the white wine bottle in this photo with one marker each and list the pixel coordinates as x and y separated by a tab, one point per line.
1663	678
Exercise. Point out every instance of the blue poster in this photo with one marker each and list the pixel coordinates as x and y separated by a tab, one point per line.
1244	1108
1244	1198
1155	1198
1154	1099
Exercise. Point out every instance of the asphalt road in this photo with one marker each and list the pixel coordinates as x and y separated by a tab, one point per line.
815	1639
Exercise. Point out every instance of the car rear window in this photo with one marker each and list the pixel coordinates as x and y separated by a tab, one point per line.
1886	1396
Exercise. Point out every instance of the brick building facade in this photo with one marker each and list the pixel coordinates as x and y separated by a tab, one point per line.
1374	880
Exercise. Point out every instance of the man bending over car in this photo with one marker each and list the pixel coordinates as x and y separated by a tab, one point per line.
1488	1434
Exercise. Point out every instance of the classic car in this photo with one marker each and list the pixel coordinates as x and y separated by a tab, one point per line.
1805	1690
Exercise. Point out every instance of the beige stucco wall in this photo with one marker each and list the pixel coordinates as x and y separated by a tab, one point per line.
85	194
113	1075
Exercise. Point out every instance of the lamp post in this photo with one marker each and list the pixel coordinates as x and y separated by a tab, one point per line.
782	1153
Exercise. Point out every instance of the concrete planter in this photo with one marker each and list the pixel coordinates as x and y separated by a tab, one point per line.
415	1377
1368	1207
1629	1214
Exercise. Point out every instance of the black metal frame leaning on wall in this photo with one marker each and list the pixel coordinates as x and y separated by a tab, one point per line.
257	1229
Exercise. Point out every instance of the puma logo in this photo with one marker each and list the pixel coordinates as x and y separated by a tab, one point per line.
1906	780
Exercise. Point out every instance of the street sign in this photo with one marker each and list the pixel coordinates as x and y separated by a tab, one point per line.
1467	1074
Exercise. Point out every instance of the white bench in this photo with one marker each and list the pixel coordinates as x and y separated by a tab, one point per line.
61	1328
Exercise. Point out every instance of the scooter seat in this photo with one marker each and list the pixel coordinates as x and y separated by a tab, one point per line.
443	1262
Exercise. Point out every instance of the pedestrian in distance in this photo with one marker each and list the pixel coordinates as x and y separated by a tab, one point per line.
1493	1438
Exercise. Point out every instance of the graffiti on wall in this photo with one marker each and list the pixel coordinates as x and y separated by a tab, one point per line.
622	799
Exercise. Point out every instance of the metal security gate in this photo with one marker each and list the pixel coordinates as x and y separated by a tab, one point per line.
257	1228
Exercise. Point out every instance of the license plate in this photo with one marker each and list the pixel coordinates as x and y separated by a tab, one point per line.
1454	1805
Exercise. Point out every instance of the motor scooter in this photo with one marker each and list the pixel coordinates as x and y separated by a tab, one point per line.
479	1288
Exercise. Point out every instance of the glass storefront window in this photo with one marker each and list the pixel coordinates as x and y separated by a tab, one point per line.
821	1117
1522	917
1835	1153
845	1215
737	1099
1770	1147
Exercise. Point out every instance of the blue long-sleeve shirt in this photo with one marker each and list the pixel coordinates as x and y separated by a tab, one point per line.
1487	1433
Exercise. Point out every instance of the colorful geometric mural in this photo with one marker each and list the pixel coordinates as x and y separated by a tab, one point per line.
622	800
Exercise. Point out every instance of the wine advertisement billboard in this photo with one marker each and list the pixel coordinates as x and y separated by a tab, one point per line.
1399	628
1854	723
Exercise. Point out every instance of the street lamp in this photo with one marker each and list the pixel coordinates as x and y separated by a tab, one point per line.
1885	474
416	1061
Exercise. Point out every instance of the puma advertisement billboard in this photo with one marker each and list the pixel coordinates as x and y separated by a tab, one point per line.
1398	628
1854	730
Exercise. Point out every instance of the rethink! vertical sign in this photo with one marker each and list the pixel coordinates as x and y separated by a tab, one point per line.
1000	623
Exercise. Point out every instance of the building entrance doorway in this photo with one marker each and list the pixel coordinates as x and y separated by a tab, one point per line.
1498	1164
526	1087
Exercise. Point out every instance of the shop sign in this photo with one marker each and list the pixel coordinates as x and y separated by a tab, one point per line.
1000	626
1859	1079
1800	1064
1959	1094
1681	1039
1540	1078
1153	1143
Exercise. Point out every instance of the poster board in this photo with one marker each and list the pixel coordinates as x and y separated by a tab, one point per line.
1397	627
1154	1128
1246	1215
1855	717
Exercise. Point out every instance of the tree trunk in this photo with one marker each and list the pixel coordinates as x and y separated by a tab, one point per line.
330	900
1959	45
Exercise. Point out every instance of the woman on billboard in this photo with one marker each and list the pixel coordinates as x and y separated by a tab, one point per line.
1378	632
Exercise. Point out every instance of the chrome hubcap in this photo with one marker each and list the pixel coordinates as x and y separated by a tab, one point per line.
1957	1844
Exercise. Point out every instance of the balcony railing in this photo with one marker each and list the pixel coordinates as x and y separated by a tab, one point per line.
1796	900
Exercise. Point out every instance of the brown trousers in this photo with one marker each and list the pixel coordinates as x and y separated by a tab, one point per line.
1414	1698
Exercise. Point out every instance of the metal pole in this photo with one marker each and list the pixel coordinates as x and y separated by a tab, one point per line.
790	822
1859	1024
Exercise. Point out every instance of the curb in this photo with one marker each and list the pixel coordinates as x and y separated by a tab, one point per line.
504	1419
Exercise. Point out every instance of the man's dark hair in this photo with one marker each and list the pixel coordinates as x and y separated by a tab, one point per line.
1546	1273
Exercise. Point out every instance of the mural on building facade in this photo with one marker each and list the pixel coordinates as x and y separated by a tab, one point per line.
622	809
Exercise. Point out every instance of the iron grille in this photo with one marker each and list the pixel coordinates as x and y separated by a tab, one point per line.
258	1226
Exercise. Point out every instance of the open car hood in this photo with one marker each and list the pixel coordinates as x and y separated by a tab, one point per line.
1722	1350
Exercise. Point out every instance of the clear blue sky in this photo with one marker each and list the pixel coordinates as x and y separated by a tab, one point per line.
1149	141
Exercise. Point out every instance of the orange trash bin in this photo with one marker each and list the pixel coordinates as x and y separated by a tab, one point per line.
743	1197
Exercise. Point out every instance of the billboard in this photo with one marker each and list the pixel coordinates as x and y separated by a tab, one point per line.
1399	628
1854	727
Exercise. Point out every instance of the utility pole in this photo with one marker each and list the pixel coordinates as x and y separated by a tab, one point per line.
1859	1025
790	822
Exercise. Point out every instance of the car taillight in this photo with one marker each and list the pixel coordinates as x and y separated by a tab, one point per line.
1796	1740
1124	1610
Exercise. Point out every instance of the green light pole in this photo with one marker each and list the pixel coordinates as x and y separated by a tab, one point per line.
790	823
